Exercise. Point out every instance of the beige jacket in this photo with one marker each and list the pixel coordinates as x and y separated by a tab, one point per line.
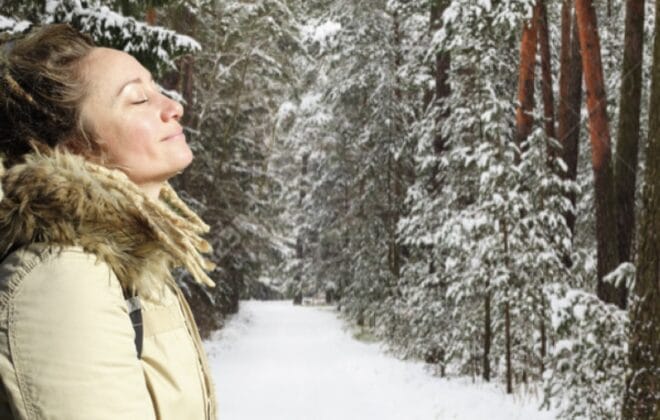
67	347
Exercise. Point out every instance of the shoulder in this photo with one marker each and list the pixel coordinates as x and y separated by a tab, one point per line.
62	299
55	272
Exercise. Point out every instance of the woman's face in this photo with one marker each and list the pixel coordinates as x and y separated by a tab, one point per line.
133	122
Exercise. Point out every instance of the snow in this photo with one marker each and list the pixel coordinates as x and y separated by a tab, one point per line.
321	32
12	26
6	22
283	362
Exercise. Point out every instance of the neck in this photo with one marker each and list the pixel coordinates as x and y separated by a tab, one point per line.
152	189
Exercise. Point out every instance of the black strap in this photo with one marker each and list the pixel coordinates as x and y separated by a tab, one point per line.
135	313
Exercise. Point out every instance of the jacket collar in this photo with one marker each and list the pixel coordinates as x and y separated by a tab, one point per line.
61	199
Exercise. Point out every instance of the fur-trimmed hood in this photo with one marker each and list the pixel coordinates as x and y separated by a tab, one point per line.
62	199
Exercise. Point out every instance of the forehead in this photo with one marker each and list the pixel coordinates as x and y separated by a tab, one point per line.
106	69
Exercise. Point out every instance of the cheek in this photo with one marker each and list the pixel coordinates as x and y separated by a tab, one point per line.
140	135
131	139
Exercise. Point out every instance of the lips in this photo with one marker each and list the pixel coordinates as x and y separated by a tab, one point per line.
177	135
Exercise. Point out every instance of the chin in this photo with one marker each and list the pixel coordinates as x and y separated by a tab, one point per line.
182	163
186	159
183	156
177	160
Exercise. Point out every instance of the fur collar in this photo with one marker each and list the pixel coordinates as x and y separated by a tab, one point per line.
61	199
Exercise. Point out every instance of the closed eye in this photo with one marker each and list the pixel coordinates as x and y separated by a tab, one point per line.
141	101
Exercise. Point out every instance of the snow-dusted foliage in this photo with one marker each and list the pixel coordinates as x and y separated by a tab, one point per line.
589	359
242	76
149	43
350	160
157	47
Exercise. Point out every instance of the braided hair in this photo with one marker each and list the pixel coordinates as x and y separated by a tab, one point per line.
41	88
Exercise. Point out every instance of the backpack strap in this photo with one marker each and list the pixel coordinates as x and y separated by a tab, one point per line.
135	313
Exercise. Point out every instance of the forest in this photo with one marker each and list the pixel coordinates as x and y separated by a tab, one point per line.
476	183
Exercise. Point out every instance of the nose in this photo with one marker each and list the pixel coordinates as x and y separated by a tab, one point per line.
171	109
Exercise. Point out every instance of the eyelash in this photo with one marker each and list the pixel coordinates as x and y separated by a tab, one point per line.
157	88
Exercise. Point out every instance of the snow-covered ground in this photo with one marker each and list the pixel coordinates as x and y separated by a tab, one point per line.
276	361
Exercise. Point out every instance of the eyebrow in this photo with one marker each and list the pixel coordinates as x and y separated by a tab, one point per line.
136	80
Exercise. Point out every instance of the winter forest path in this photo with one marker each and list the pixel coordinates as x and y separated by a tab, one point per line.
277	361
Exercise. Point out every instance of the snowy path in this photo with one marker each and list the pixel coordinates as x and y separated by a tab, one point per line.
274	361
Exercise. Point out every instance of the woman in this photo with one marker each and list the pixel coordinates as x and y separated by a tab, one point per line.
86	219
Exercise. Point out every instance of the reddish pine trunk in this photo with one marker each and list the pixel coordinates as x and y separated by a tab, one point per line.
150	16
601	155
528	44
546	71
570	99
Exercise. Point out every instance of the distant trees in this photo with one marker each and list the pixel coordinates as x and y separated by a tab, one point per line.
240	78
497	266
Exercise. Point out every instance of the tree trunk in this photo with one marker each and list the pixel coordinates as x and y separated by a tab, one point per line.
528	44
642	396
546	76
442	64
549	115
627	145
544	344
300	246
524	121
441	91
394	177
507	315
487	337
606	223
150	15
570	99
507	332
182	79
